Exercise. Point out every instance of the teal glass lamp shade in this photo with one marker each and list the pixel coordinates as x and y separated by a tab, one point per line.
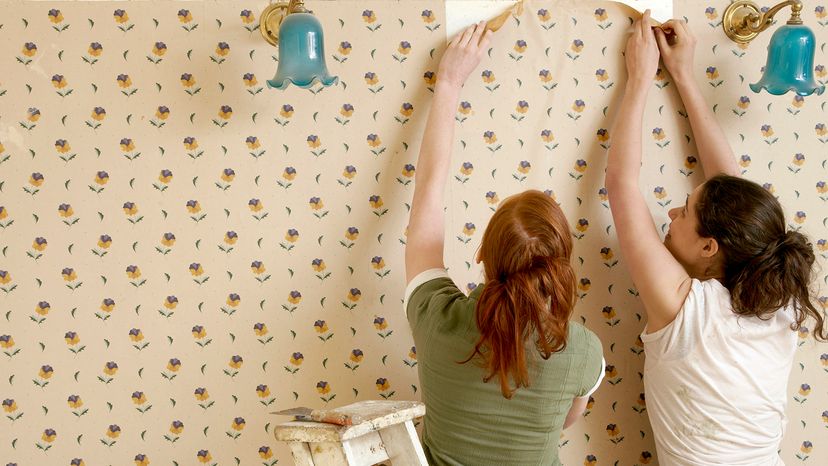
301	53
790	65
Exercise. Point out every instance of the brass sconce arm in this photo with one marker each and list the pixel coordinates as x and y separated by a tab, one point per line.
273	15
743	20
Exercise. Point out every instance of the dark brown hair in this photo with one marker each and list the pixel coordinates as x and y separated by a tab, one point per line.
530	287
766	267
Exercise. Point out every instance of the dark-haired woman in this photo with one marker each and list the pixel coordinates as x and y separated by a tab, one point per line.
724	293
502	371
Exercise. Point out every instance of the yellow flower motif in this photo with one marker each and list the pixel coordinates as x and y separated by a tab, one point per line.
10	407
62	146
294	297
798	101
139	398
375	202
165	176
55	16
371	78
238	424
39	244
124	81
7	342
185	16
59	81
323	387
520	46
136	335
127	145
104	242
230	238
712	73
320	326
101	178
188	80
347	110
228	175
236	362
201	394
607	254
613	430
258	267
255	205
374	140
313	141
121	18
260	330
406	109
176	427
72	338
171	302
196	269
204	456
608	312
253	144
48	435
168	239
42	308
29	49
45	372
94	49
33	115
69	275
193	207
316	203
199	332
225	112
383	384
130	208
110	368
265	453
318	265
233	300
107	305
74	402
162	113
356	356
248	17
133	272
490	137
289	173
222	49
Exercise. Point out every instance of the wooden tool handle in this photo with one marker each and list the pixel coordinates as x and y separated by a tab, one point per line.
333	417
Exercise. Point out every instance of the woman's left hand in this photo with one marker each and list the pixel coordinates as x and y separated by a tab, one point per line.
642	53
463	54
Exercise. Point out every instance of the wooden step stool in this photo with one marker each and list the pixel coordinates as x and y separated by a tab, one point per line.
386	434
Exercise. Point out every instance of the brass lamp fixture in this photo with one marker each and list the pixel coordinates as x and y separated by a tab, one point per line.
298	34
790	65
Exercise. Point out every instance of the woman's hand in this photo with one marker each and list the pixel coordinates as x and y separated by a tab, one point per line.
641	53
677	48
463	55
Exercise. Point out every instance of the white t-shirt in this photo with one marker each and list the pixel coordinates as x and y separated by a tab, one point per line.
716	382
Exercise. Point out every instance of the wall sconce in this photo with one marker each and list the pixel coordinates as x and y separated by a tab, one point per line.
790	65
298	34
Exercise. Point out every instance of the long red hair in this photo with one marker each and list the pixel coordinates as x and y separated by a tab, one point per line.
530	287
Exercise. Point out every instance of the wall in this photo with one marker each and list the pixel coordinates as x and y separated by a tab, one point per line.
283	283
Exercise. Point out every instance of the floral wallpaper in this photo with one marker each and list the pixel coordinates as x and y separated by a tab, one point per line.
183	251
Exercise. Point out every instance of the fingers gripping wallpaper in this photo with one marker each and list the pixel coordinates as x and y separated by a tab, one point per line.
183	251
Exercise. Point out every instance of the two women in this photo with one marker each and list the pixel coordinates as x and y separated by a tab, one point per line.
724	292
503	370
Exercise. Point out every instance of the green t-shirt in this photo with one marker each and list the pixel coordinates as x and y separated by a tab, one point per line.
469	422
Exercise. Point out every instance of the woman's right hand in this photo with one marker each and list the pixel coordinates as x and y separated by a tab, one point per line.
463	54
677	49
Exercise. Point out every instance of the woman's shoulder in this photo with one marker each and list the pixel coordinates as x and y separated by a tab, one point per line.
582	339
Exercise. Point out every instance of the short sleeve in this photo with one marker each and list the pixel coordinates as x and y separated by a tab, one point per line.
593	369
430	294
679	336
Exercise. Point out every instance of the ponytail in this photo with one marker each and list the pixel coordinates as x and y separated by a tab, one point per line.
780	275
765	267
515	307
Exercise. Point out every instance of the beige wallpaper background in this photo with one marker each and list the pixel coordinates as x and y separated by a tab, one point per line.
183	250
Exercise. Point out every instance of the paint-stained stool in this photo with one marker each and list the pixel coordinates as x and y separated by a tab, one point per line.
386	434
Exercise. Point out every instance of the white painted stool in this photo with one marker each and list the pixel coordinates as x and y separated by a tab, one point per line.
386	433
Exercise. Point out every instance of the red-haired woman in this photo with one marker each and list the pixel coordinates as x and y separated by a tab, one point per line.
725	291
503	370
